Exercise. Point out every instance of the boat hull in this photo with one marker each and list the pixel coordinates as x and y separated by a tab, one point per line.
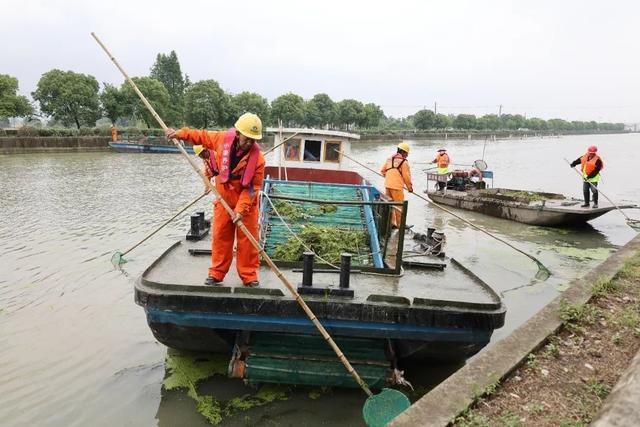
179	331
532	214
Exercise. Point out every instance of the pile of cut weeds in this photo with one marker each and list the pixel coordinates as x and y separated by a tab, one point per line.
565	382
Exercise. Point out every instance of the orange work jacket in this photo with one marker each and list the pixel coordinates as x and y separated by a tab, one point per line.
242	200
396	173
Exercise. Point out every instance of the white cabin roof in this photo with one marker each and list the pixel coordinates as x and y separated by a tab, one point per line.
307	131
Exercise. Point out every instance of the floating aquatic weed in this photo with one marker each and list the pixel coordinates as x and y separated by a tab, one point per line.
317	392
327	242
289	210
186	371
590	253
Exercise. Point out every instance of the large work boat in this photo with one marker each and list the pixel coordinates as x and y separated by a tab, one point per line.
390	300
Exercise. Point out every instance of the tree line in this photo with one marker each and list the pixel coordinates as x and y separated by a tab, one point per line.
74	99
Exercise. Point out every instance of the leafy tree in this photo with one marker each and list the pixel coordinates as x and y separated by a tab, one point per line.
536	124
373	114
488	122
167	70
424	119
441	121
207	105
69	97
320	110
155	92
12	104
396	123
465	121
349	111
289	108
558	124
249	102
112	101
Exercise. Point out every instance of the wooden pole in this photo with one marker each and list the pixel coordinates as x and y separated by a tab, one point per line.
249	236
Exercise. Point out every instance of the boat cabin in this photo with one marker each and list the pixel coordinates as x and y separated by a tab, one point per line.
312	155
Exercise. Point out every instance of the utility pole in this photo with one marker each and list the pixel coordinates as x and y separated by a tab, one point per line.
500	111
435	107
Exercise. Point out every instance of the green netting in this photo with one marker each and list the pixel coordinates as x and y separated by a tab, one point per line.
381	408
298	214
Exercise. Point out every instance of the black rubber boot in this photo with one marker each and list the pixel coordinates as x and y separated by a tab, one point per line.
253	284
210	281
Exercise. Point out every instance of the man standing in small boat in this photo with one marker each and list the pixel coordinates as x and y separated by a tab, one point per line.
590	165
442	160
238	166
397	176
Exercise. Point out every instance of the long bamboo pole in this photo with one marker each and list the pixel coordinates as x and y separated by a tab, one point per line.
246	232
541	267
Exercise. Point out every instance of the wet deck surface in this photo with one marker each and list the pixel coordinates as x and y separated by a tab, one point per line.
178	267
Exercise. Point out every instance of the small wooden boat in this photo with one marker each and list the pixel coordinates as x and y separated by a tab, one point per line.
380	313
529	207
132	147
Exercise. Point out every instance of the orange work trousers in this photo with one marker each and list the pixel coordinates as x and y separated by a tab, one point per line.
396	196
225	233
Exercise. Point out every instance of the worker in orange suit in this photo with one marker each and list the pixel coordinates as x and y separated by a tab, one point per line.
442	160
397	176
239	173
114	133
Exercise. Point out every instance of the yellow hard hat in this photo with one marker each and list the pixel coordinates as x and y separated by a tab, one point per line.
197	149
404	147
249	125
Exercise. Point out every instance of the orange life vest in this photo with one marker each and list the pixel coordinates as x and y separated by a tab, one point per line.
443	160
589	165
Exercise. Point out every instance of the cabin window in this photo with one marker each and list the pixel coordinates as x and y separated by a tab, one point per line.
292	150
330	153
312	150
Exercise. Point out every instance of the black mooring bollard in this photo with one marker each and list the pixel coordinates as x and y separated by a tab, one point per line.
201	223
195	224
307	268
345	270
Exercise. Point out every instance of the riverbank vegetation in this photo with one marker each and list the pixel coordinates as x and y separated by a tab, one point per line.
565	382
68	99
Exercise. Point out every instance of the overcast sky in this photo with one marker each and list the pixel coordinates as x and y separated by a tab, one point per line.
577	60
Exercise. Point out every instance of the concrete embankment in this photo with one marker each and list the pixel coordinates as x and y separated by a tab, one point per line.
453	396
20	145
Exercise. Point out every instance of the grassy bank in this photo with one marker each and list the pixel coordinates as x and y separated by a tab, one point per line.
565	381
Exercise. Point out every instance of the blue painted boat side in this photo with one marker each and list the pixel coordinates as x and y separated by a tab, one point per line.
303	325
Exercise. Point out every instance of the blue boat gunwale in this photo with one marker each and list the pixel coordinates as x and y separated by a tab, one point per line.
303	325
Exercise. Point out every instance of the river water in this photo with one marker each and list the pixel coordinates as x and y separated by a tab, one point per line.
76	350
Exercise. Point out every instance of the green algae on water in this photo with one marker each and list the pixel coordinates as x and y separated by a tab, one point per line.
185	371
317	392
590	253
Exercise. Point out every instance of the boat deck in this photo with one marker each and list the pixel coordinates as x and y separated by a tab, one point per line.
179	271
